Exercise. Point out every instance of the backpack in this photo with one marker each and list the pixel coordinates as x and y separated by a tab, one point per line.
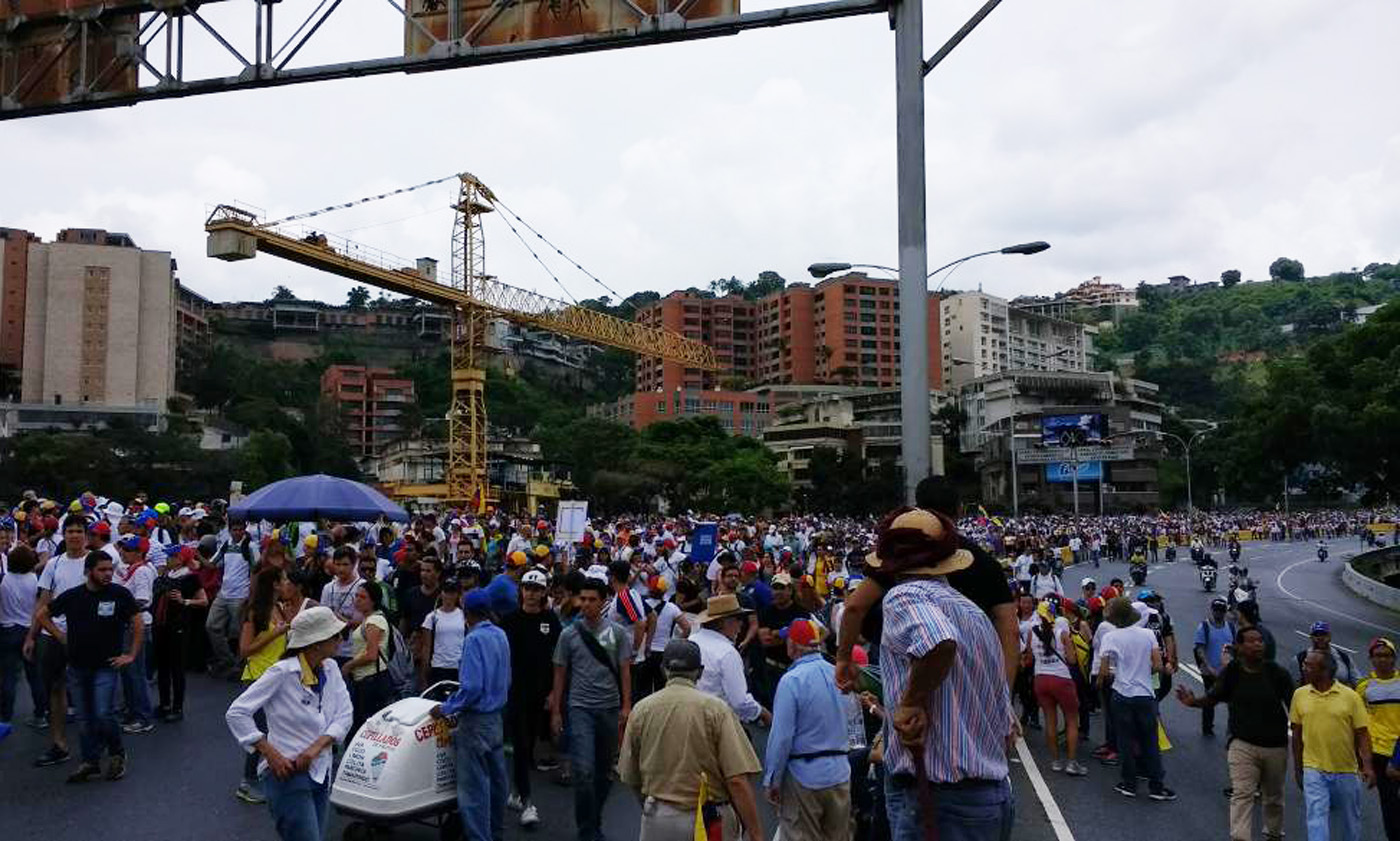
399	665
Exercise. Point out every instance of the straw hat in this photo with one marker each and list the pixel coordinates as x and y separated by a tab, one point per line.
721	607
918	542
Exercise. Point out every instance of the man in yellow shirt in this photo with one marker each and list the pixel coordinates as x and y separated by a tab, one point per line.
1381	693
1330	744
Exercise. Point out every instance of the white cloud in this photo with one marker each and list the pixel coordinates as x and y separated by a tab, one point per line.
1142	140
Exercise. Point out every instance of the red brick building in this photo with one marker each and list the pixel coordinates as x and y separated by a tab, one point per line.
725	324
372	403
14	281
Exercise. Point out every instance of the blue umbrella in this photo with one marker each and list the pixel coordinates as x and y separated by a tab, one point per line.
314	497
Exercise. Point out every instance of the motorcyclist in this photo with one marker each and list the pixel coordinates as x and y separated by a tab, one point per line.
1322	550
1234	549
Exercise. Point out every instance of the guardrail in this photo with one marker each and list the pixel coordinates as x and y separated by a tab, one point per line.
1365	576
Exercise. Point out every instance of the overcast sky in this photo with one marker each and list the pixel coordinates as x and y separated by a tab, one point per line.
1141	139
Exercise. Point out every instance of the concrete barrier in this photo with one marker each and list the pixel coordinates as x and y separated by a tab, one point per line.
1365	576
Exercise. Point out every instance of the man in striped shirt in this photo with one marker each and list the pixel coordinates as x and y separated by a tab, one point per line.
941	668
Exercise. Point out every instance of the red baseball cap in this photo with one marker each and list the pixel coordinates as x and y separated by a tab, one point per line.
749	568
103	528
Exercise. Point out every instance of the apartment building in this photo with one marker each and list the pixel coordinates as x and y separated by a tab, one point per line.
14	282
982	335
99	322
726	324
371	403
845	330
193	334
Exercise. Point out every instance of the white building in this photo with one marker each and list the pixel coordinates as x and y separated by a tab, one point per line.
983	335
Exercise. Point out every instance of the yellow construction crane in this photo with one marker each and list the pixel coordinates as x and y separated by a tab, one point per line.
474	296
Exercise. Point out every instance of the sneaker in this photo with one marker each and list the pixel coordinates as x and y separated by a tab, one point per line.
85	771
161	712
1101	751
1161	793
530	817
1110	758
116	768
173	716
1057	765
39	722
53	756
1075	769
1125	789
514	803
138	727
249	793
547	765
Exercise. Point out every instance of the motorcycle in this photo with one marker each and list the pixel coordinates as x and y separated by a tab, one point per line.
1171	554
1137	571
1208	578
1322	554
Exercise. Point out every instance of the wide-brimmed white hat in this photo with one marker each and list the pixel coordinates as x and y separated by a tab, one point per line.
313	625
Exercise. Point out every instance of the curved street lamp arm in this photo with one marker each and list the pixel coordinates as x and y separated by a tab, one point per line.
956	262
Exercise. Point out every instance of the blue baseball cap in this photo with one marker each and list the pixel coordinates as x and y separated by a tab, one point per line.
1147	594
477	601
1321	628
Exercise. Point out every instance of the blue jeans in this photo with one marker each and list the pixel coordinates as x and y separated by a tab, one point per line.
134	689
1325	795
976	813
299	806
481	775
1135	730
592	742
94	693
12	663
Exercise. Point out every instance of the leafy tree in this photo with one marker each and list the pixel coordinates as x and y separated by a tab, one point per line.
282	293
357	298
267	457
1229	277
1285	268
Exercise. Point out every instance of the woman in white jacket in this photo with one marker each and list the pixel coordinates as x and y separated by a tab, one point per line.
308	710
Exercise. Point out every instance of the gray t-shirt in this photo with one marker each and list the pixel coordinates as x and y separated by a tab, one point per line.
591	685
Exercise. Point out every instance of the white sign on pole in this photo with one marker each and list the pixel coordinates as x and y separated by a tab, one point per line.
573	517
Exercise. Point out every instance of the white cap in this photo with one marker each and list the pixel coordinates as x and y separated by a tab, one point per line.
115	510
535	577
598	572
1086	581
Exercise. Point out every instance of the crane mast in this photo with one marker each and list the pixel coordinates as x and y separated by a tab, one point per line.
466	417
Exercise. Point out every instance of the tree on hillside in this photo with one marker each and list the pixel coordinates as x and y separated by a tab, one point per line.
1229	277
1285	268
282	293
357	298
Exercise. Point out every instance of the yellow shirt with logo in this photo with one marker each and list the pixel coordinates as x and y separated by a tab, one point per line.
1329	720
1382	698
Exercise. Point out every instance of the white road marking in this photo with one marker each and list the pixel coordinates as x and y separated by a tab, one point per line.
1042	791
1192	671
1306	635
1278	582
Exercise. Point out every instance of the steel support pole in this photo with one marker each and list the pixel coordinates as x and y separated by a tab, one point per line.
913	242
1074	453
1015	470
1190	502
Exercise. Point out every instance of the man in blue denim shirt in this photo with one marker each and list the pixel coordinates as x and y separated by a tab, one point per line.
807	767
483	683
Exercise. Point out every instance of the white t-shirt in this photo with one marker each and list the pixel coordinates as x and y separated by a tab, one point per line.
139	580
666	614
1044	585
18	594
237	570
61	574
341	600
449	630
1023	568
1049	663
1130	650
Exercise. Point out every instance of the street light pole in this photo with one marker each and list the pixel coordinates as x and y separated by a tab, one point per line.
1186	444
913	241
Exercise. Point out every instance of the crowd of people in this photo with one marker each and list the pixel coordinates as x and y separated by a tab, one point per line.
891	662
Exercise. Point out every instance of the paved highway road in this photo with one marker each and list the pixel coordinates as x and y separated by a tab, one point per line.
182	776
1295	590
